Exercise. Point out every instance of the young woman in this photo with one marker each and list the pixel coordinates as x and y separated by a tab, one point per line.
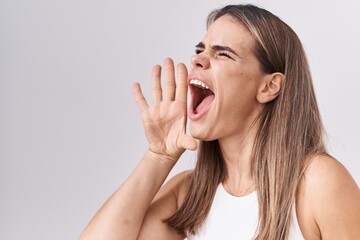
262	170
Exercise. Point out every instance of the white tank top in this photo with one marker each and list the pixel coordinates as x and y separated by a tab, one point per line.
236	218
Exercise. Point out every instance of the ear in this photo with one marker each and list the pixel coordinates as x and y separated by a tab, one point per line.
270	88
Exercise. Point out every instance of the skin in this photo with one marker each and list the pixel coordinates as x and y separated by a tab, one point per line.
328	199
241	90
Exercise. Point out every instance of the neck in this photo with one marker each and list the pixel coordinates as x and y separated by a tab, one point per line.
237	151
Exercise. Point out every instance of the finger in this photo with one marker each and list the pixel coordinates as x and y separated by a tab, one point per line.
170	85
139	97
182	85
188	142
156	84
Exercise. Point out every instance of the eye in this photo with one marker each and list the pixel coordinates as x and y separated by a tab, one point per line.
198	51
224	54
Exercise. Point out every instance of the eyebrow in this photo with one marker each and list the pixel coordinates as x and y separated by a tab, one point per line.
217	48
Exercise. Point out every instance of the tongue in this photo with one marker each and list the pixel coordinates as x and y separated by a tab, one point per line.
204	105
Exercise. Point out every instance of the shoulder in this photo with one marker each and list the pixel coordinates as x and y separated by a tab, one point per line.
178	186
163	206
329	198
328	173
324	176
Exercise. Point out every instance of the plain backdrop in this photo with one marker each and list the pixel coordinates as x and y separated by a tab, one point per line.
70	131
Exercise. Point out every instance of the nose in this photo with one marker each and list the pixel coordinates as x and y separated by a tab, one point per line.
200	60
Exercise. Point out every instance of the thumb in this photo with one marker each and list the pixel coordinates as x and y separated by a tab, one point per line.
188	142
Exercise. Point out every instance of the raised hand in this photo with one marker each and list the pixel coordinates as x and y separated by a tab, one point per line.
165	121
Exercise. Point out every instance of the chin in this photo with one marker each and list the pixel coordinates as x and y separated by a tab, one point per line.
201	133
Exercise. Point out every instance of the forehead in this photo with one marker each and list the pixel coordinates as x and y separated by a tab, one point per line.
229	31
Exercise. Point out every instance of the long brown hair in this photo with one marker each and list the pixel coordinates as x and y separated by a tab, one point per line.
290	131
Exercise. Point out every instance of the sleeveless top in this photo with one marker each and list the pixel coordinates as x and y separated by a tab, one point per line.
233	217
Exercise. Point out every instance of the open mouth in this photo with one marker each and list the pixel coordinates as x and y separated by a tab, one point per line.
202	98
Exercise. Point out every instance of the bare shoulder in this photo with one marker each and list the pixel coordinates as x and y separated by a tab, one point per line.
163	206
177	185
328	200
184	180
326	176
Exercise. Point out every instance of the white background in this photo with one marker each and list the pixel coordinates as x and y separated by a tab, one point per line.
70	132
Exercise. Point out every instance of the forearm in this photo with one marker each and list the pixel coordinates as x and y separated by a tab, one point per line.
122	215
164	123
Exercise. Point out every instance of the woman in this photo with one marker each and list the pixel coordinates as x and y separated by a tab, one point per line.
262	170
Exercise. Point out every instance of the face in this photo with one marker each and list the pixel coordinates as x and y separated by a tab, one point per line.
224	80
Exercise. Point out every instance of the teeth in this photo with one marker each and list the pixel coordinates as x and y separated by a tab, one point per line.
198	83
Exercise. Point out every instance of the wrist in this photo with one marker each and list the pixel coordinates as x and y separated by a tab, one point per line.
160	158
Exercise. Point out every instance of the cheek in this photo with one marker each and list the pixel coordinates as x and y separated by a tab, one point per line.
235	102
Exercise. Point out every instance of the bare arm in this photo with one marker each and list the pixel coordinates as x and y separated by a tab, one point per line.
122	215
329	201
164	205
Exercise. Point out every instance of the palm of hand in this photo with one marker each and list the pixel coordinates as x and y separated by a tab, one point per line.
165	122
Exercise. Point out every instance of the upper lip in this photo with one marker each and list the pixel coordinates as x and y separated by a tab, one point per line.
204	80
